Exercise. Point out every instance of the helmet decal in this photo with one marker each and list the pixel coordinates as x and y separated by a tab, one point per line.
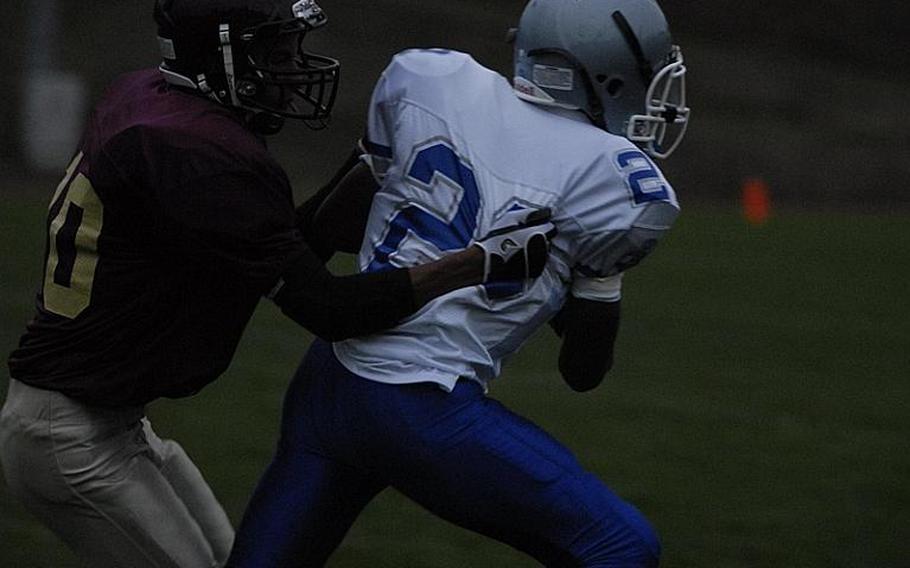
310	12
551	77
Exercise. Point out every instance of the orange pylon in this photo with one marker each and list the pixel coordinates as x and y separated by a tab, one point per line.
756	201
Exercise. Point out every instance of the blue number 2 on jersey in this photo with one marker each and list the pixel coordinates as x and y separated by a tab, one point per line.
642	177
432	161
455	234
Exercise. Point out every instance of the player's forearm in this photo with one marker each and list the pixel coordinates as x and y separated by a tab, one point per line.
334	219
451	272
588	330
340	307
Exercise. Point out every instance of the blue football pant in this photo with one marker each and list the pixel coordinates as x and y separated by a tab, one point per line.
461	455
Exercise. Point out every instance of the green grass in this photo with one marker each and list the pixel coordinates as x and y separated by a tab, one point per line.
759	411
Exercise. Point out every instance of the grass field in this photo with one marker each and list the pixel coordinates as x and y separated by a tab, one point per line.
759	411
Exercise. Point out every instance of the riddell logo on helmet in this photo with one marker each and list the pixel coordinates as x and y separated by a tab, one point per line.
524	88
310	12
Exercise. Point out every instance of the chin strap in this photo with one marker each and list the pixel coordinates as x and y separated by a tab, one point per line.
179	80
228	54
264	123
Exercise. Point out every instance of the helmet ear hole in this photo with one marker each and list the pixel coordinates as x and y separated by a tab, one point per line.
615	86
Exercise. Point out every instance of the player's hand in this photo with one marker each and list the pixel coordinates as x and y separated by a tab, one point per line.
518	245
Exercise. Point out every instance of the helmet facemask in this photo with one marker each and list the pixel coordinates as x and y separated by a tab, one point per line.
250	56
281	78
662	127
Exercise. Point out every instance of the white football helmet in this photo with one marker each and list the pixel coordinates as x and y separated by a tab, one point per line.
612	59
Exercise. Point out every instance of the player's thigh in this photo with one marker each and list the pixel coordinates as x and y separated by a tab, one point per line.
90	476
123	509
191	488
300	511
508	479
139	524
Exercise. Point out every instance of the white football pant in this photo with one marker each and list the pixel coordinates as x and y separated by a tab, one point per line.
107	485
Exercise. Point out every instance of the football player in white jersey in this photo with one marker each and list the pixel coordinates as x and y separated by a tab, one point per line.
456	151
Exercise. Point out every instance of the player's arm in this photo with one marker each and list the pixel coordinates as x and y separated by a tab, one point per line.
589	322
342	205
335	218
339	307
341	218
588	325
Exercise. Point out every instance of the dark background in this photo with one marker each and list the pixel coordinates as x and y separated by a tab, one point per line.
810	96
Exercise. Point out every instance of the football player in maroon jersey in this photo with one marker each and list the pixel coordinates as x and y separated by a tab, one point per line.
171	223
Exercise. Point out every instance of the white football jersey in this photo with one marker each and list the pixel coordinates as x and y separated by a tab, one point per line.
454	149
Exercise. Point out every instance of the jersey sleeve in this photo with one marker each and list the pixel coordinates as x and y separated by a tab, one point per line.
610	252
623	206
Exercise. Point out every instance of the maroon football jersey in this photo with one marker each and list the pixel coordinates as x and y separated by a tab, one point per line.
170	224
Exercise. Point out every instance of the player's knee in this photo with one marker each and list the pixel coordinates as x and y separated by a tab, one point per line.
173	459
626	539
648	547
642	545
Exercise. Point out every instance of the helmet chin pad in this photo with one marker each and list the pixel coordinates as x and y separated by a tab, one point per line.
265	123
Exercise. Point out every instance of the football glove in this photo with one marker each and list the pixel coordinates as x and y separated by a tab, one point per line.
518	245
